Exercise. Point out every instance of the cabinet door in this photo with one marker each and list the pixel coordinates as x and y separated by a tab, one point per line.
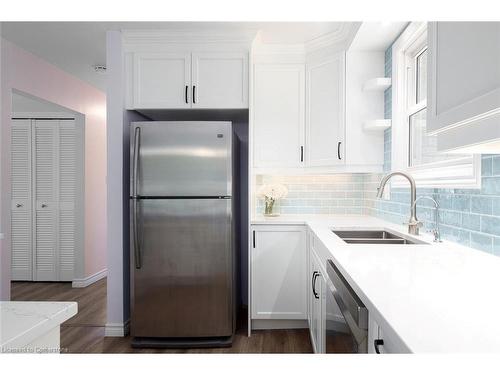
278	115
325	124
318	288
278	273
464	74
220	80
162	80
21	211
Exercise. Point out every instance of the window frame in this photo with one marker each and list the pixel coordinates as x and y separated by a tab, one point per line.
462	172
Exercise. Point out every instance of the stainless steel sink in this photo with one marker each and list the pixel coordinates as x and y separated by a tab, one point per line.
375	236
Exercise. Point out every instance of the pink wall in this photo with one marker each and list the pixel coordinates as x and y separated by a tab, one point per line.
24	71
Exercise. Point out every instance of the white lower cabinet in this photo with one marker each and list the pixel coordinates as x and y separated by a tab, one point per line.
316	297
317	304
278	272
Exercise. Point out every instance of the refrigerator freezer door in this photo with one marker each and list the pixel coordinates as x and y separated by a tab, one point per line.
184	285
183	158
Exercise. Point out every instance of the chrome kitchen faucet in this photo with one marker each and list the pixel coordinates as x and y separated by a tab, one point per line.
413	223
435	231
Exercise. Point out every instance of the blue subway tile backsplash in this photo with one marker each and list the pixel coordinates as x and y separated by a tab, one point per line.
468	216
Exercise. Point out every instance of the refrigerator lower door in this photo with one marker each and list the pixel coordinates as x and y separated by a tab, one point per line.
184	286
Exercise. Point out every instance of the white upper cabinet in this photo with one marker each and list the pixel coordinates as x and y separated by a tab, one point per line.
220	80
278	115
464	82
162	80
304	117
173	80
325	125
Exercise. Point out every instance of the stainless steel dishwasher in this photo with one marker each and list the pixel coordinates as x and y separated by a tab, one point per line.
354	312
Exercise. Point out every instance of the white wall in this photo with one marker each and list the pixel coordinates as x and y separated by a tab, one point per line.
29	74
118	121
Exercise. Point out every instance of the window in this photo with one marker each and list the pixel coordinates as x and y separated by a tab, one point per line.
413	149
422	147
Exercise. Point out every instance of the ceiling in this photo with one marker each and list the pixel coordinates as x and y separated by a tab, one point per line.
77	47
377	36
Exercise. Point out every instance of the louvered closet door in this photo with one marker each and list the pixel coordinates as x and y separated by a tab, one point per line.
67	198
54	188
21	205
45	177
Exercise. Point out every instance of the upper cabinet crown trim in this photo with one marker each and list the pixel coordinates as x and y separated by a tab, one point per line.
131	37
341	38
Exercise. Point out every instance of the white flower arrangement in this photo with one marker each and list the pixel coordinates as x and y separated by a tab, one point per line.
271	193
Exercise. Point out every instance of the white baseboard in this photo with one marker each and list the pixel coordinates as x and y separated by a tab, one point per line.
117	329
82	283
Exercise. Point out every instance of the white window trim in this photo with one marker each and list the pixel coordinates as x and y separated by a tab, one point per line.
463	173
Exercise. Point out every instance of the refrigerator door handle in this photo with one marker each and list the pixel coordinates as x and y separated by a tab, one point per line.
135	197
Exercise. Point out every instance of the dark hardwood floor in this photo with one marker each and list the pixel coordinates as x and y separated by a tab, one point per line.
91	300
84	333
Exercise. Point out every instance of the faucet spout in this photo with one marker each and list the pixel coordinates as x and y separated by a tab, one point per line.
413	223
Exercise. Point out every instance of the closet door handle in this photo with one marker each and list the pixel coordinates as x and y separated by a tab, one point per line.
253	239
194	94
377	343
186	94
338	150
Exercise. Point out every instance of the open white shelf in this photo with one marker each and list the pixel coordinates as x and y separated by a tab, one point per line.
377	84
377	125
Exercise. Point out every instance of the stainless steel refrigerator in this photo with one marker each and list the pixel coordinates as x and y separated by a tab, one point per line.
182	252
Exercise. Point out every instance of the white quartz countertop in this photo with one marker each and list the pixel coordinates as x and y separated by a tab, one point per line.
435	297
23	322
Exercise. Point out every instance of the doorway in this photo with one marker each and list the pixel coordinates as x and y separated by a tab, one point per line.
48	209
47	174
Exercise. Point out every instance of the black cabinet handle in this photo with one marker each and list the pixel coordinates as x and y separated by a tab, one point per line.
315	276
301	154
338	150
377	343
312	282
186	94
194	94
253	239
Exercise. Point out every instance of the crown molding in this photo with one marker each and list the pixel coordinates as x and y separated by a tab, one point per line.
131	37
341	38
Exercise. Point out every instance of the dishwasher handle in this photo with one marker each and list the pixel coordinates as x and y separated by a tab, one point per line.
343	291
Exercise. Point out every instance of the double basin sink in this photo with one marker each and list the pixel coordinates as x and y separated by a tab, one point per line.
375	236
